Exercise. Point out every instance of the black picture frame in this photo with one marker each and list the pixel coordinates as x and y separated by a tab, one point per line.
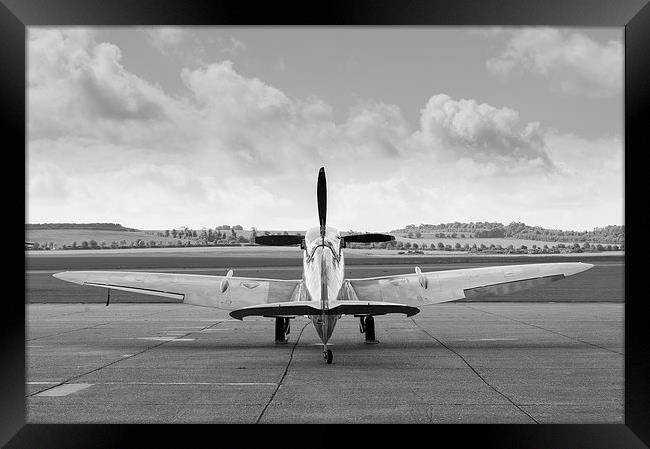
633	15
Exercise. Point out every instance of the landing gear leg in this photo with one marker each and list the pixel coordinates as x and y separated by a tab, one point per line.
282	329
367	326
327	355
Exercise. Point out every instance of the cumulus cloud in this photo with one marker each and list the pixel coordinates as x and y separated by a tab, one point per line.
263	128
105	143
573	63
95	120
377	128
468	130
78	87
218	86
113	93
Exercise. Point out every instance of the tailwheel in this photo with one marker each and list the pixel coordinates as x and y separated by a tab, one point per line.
327	355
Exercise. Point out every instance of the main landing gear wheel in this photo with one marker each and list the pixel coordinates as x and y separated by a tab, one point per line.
327	355
367	327
282	329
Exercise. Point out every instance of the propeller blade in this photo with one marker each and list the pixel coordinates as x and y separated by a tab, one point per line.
321	195
368	238
278	240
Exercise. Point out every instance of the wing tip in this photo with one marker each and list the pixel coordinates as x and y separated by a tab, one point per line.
68	276
576	267
585	266
236	315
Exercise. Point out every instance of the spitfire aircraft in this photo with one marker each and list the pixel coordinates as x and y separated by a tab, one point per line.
323	294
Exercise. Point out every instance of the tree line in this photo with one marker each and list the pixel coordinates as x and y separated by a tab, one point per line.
560	248
222	235
93	226
611	234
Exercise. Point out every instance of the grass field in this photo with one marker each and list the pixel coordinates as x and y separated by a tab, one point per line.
62	237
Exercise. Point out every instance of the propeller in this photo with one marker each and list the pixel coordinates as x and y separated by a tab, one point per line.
321	195
278	240
368	238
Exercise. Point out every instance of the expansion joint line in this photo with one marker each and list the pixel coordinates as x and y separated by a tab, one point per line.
121	359
475	372
72	330
284	374
90	327
547	330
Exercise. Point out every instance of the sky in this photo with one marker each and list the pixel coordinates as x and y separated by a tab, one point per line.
162	127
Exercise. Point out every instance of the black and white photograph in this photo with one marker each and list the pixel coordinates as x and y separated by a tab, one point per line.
295	224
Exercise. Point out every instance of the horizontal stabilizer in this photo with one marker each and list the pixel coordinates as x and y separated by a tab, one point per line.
278	240
290	308
368	238
348	307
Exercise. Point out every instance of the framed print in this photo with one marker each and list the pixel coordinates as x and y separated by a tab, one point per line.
202	153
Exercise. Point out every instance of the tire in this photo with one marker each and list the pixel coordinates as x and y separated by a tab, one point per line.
370	328
279	330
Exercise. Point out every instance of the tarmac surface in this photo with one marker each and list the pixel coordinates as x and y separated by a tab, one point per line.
451	363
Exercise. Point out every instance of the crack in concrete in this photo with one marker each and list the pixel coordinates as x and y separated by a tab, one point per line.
475	372
121	359
284	374
427	410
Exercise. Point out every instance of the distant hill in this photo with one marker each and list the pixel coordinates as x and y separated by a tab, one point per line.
93	226
473	236
612	234
48	236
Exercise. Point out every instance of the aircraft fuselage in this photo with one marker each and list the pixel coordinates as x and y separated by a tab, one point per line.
323	275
